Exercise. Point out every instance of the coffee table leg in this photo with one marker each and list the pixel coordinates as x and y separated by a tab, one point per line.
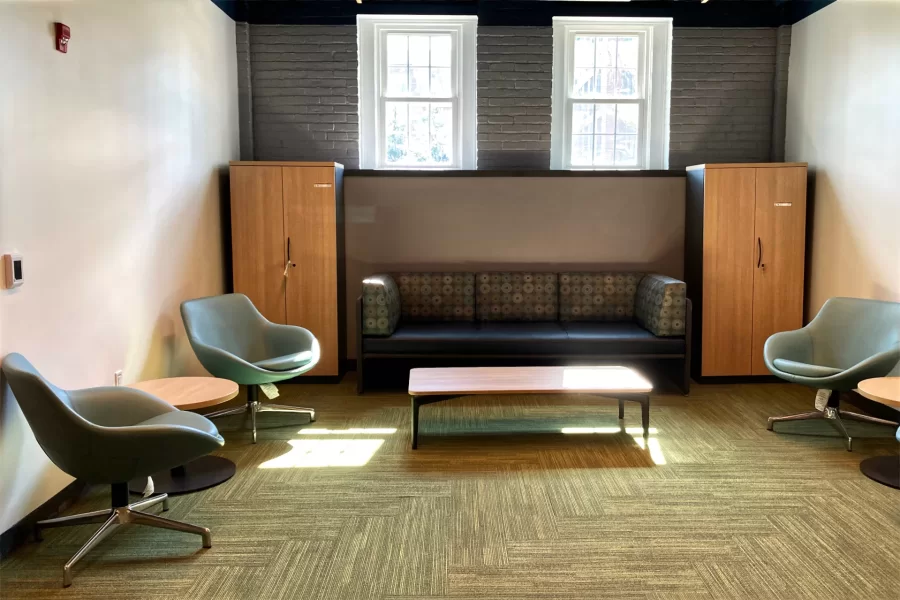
645	415
621	409
415	422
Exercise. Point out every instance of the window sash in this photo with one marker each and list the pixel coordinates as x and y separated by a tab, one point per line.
570	135
382	132
382	82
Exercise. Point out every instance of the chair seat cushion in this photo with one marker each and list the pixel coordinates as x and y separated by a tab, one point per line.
618	338
805	369
185	419
288	362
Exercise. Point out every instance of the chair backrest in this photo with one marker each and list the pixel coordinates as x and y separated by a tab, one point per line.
849	330
229	322
60	431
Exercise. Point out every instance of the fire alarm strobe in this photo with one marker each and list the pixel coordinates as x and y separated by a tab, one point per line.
12	264
63	34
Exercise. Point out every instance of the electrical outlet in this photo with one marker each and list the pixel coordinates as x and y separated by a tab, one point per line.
118	377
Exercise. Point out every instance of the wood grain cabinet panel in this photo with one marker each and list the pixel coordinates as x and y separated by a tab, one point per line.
312	287
257	238
727	259
780	222
287	241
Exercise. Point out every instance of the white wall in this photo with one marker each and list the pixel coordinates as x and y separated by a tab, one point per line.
512	223
110	162
843	117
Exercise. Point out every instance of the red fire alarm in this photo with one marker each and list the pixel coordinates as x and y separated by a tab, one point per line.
63	33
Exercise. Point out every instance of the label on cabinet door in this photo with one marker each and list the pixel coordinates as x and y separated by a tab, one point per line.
322	185
784	204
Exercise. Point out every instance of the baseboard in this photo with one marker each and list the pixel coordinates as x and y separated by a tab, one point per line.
22	531
727	379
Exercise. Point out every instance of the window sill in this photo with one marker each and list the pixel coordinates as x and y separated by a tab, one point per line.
510	173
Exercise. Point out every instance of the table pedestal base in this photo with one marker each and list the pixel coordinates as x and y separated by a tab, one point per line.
883	469
197	475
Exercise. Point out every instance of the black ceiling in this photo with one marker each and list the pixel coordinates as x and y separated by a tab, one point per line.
685	13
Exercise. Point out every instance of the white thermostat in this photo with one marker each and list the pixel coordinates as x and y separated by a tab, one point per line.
12	264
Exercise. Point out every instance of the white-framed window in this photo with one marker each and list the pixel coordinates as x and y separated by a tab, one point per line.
417	92
611	88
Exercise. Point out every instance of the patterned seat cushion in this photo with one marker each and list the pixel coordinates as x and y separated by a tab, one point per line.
437	296
660	305
597	296
381	305
517	297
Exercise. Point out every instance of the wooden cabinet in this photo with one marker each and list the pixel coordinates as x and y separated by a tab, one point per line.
744	261
287	248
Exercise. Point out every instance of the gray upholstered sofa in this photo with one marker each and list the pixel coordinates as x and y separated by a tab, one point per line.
604	317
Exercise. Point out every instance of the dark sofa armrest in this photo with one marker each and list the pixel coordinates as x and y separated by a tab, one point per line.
659	305
380	305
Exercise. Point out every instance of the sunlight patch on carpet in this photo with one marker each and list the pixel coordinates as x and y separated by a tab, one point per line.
325	453
351	431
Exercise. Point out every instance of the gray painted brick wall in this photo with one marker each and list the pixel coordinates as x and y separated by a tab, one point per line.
729	88
305	93
779	107
514	89
722	95
245	90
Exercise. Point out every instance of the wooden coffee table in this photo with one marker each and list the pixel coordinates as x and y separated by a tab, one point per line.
427	386
883	469
189	393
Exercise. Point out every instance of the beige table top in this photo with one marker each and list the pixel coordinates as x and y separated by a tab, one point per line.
885	390
526	380
190	393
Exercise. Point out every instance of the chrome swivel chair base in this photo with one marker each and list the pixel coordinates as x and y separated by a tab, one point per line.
833	414
112	518
254	406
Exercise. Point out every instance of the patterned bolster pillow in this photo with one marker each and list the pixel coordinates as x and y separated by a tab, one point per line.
659	305
436	296
521	296
381	305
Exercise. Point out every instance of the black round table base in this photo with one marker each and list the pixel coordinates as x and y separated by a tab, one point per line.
197	475
883	469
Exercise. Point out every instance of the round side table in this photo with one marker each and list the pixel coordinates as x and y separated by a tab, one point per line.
189	393
883	469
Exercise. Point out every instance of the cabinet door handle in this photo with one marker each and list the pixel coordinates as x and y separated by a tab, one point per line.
759	262
289	253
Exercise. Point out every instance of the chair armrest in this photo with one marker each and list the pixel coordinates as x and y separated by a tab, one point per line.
878	365
793	345
117	406
380	305
659	305
287	339
226	365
